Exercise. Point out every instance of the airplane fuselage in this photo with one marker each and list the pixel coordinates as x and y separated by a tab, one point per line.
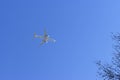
46	37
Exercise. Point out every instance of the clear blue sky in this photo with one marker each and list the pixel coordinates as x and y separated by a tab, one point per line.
82	30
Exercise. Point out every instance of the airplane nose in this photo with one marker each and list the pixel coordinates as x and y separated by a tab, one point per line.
54	40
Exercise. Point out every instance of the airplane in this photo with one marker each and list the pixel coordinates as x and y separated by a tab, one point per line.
45	38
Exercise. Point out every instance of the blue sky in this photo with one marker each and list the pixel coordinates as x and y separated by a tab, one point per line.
81	27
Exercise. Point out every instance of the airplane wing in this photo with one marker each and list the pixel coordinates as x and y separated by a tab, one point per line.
42	42
45	33
37	36
51	40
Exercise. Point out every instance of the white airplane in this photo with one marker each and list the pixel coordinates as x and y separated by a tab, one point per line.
45	38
